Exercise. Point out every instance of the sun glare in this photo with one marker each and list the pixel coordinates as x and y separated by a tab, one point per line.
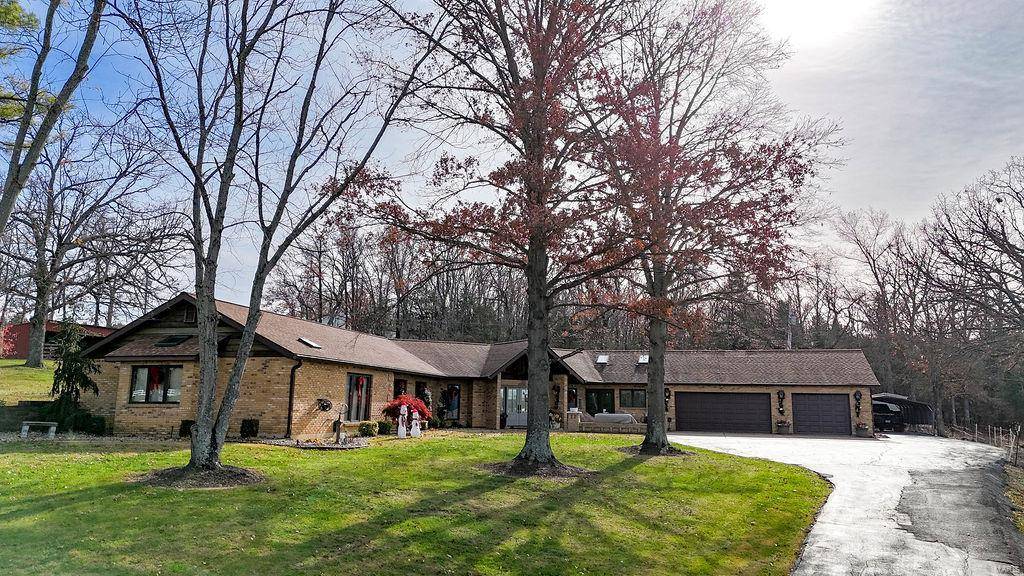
815	22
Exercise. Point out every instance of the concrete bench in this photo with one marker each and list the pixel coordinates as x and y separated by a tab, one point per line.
29	423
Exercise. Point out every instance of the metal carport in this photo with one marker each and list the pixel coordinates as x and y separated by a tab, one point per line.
914	412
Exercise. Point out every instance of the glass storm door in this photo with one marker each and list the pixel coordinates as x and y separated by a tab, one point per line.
514	407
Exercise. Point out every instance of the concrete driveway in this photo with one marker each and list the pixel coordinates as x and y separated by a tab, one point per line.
903	505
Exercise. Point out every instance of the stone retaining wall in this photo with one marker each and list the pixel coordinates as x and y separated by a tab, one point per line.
11	417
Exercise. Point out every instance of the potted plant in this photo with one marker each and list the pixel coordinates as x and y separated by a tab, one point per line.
864	431
783	426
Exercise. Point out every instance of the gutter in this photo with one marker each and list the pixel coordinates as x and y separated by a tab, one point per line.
291	396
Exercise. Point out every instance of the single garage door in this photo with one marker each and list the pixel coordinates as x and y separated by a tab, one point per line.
821	414
723	412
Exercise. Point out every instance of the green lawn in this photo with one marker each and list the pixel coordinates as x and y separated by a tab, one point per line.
402	507
20	383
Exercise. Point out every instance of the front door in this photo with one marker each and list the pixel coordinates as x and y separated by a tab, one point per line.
600	401
513	406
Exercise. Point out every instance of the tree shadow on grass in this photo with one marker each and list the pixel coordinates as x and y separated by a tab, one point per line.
461	531
101	445
343	517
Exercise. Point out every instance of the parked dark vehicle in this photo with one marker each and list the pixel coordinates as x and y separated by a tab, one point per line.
888	417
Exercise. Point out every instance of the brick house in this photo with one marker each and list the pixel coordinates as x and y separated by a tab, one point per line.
149	370
19	333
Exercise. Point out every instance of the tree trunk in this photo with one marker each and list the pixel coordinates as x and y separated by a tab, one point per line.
231	391
536	453
41	279
207	318
37	333
935	381
40	314
656	437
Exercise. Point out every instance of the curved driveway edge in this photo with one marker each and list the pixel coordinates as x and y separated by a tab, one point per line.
902	506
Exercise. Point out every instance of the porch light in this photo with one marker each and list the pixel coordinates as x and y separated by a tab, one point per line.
857	396
782	401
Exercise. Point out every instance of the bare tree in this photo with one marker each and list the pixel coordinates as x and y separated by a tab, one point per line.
87	204
266	100
978	237
40	106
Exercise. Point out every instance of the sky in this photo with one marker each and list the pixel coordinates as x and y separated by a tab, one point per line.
929	93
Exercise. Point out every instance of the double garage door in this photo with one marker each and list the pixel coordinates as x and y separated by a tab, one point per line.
752	412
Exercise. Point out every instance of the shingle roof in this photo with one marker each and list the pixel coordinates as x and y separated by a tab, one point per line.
736	367
477	360
454	359
502	354
336	344
581	362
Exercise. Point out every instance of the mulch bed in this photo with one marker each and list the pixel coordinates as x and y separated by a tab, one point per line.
352	444
184	478
666	451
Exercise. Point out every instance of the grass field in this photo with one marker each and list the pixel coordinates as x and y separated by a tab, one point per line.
20	383
402	507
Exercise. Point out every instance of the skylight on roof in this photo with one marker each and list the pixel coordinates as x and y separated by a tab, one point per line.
643	359
602	358
309	343
171	341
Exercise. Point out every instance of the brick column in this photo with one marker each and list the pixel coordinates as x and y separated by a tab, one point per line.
563	391
497	403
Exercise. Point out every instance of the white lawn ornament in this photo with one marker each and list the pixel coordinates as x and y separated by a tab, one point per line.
416	433
403	414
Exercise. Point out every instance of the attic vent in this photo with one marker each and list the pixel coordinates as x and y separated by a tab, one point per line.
643	359
602	358
171	341
309	343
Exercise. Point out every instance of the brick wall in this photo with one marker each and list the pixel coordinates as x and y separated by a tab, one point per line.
483	404
102	404
316	380
263	396
864	417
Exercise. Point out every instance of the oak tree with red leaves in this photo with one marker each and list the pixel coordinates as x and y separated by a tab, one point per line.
506	74
685	127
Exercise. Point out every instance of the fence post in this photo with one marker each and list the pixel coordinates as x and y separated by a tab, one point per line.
1016	445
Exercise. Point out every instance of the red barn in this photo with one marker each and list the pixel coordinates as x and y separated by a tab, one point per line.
18	333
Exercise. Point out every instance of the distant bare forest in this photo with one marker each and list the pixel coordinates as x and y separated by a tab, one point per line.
936	306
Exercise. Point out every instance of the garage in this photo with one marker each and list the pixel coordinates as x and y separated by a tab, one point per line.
821	414
723	412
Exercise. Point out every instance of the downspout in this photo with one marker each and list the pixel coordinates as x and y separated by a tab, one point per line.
291	397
